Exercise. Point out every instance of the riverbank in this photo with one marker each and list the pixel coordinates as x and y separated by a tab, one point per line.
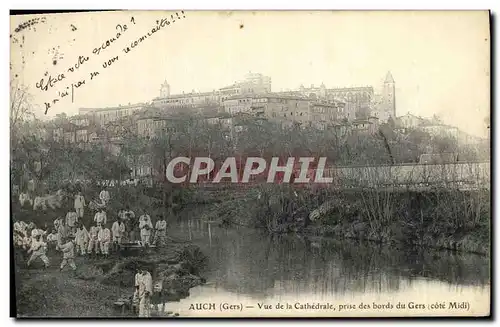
97	284
439	218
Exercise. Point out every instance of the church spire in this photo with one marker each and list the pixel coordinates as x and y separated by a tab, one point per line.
389	78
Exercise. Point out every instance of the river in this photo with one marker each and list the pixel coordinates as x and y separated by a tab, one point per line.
249	270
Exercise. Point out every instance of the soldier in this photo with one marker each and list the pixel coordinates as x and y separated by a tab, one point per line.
100	217
79	204
68	249
160	231
104	238
38	249
118	230
93	239
81	239
146	227
145	290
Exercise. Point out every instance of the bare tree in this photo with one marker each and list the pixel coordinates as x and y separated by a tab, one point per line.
20	104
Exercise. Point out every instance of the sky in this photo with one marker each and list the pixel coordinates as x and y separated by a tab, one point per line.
440	61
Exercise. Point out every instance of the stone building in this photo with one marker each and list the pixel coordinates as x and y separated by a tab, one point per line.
190	100
253	83
154	126
102	116
272	106
326	113
410	121
357	99
361	102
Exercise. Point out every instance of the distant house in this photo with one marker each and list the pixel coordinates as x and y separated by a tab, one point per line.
369	125
409	121
110	114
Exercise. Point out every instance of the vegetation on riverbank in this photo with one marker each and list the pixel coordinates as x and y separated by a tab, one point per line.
439	218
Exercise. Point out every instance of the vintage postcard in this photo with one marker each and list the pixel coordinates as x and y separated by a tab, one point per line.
250	164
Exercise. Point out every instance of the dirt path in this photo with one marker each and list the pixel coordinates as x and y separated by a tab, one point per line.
92	290
52	293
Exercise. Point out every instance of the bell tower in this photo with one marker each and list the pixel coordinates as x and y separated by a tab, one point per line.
389	95
165	90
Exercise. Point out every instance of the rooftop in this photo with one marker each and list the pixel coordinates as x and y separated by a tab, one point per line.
389	78
325	104
120	107
353	88
230	86
185	95
271	95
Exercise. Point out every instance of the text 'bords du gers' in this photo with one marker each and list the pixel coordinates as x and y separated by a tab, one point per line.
303	170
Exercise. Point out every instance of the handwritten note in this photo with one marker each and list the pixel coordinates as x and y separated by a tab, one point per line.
100	52
29	23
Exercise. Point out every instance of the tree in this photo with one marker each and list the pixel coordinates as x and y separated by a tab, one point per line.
20	105
444	144
436	119
391	122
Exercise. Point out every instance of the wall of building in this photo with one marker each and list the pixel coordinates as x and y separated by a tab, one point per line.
188	100
103	116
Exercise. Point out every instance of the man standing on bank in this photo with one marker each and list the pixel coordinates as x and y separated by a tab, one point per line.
118	231
145	290
160	231
146	228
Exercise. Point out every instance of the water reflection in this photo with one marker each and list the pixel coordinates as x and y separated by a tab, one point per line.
252	264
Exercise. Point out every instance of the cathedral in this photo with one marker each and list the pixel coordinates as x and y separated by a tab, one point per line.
361	101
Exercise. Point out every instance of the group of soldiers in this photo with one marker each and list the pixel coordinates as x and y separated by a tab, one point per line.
36	242
70	235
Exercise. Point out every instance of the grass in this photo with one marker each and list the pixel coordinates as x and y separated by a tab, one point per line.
439	218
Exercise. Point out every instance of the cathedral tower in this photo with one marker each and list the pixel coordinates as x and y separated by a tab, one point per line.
389	95
165	90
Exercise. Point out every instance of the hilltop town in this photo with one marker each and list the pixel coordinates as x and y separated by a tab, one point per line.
350	116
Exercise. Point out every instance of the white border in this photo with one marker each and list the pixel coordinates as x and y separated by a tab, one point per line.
186	4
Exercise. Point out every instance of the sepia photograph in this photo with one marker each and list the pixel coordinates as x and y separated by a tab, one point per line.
250	164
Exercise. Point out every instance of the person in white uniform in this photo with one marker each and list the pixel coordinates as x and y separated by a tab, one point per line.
81	239
146	228
104	196
38	250
145	290
71	220
100	217
79	204
93	240
104	238
118	231
68	249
